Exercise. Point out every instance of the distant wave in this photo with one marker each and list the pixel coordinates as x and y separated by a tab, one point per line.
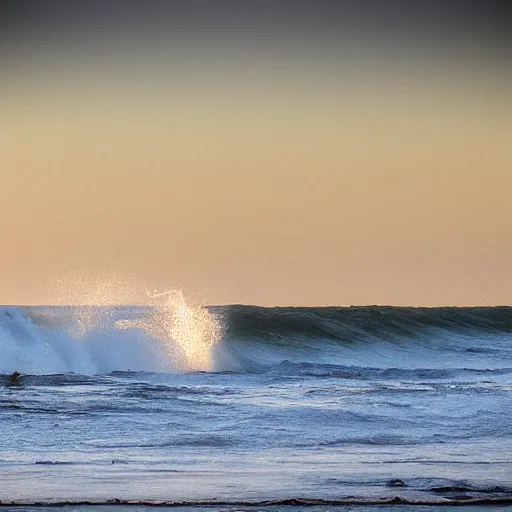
179	338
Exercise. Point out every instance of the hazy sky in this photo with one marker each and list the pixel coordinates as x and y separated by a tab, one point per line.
274	153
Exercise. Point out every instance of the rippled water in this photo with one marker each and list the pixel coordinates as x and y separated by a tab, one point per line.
289	428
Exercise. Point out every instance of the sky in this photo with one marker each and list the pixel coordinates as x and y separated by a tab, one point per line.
274	153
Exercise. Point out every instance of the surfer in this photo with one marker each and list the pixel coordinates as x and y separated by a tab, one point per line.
15	378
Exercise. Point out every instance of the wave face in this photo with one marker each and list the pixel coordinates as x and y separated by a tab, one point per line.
176	337
384	337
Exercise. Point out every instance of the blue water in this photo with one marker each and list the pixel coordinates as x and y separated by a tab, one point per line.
333	404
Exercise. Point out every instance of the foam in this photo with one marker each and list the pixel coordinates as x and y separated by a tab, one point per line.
169	336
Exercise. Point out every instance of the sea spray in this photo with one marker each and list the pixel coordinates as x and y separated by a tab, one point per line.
166	335
189	330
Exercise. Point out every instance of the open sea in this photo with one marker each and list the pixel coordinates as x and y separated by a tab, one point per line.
233	408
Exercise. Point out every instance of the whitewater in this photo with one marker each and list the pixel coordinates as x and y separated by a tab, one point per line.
244	407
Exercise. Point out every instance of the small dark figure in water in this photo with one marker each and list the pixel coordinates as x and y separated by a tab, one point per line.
15	378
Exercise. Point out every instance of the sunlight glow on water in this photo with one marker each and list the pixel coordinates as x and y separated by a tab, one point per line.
191	328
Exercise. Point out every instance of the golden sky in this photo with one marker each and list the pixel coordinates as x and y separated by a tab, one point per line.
288	180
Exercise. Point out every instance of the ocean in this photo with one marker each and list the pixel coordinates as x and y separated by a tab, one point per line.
249	408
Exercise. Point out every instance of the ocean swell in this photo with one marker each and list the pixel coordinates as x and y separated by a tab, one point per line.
177	337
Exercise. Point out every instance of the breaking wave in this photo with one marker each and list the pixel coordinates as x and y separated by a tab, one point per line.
170	335
174	336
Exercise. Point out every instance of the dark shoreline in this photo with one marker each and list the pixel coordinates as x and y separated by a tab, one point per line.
288	502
